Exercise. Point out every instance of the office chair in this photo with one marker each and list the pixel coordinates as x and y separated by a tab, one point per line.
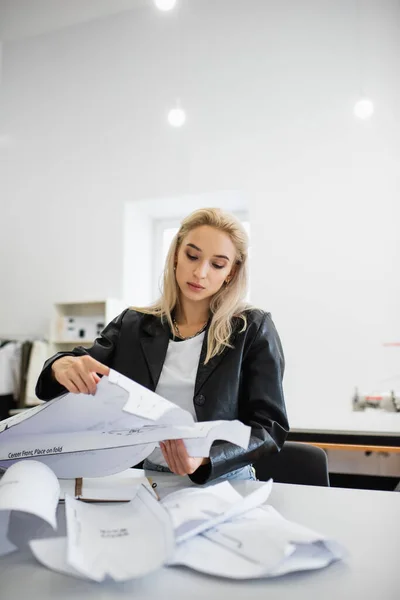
296	463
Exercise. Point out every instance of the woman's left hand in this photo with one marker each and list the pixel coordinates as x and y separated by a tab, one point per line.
177	458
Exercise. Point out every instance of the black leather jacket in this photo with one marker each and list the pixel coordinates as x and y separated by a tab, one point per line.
244	382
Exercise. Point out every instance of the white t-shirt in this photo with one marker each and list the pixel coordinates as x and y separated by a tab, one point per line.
178	378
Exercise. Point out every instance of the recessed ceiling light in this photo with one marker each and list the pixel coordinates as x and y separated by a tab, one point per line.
165	4
176	117
364	108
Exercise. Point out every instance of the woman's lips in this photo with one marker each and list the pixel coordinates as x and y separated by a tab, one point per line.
195	287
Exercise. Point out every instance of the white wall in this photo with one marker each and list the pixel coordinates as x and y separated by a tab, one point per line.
269	89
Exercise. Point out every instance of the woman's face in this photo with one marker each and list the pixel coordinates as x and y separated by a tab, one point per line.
205	259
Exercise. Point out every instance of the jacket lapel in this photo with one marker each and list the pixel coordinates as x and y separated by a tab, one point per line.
204	371
154	340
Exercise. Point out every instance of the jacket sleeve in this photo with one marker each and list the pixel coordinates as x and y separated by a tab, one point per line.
261	406
102	350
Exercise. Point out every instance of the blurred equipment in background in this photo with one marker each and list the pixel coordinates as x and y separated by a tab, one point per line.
389	401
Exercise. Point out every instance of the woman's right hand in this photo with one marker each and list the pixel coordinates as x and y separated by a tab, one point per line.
79	374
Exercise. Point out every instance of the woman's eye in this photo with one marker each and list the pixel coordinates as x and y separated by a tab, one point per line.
191	257
218	266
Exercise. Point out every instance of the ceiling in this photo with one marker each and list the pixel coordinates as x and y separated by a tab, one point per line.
26	18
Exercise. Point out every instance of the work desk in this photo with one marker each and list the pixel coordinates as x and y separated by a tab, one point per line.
366	523
371	430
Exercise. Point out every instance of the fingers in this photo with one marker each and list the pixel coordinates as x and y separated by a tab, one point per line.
79	374
95	366
83	379
168	459
75	383
177	458
180	456
71	387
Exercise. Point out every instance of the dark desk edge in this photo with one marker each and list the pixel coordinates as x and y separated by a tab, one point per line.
345	438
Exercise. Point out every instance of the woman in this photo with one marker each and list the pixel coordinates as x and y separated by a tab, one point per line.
200	346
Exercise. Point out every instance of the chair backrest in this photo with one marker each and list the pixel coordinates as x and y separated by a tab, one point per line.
299	463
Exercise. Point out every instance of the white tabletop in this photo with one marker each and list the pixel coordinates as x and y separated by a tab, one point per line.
365	522
372	422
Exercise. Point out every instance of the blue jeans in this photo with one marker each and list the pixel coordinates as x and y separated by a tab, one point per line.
244	473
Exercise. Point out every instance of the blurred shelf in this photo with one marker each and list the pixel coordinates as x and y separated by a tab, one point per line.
87	319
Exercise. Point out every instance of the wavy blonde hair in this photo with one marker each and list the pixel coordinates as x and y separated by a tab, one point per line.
229	301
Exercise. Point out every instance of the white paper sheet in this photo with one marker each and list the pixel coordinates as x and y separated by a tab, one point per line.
199	437
52	553
259	543
5	545
194	511
120	542
148	405
29	487
79	435
96	463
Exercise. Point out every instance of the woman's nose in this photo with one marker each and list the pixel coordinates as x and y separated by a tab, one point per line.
201	270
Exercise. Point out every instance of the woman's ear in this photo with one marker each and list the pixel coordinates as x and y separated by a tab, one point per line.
230	276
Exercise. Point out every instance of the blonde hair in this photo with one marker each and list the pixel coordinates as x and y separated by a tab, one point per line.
229	301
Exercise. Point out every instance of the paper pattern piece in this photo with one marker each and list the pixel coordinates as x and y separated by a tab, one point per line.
120	542
194	511
52	553
29	487
257	544
213	530
79	435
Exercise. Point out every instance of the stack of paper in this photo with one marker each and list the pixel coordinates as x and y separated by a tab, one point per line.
79	435
213	530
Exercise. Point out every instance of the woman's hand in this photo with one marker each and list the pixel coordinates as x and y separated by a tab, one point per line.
177	458
79	374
